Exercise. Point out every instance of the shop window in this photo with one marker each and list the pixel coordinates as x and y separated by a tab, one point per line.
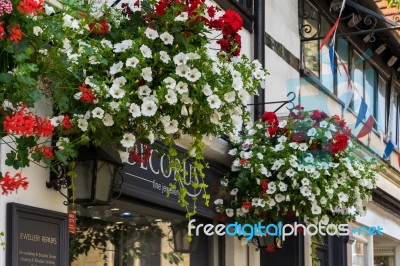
381	104
359	253
124	237
384	261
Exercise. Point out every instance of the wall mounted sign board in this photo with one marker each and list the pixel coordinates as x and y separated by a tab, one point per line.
36	236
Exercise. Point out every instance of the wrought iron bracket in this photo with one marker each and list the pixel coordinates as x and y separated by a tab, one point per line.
290	101
369	19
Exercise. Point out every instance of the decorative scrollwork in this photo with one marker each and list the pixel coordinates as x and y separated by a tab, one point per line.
310	25
371	21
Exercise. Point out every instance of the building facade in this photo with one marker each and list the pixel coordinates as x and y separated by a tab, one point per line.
144	227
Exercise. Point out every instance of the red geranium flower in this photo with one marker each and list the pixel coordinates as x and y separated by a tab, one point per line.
66	123
87	94
9	184
2	31
30	6
101	27
269	117
16	34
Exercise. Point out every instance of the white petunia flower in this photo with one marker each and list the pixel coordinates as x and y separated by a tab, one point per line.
167	38
171	97
170	83
55	121
116	67
124	156
143	91
182	70
290	172
182	87
271	188
328	135
98	113
171	126
120	81
128	140
244	96
70	22
305	191
234	191
106	43
114	105
108	120
117	92
149	108
182	16
215	118
343	197
146	52
230	97
122	46
214	101
164	57
315	209
311	132
303	146
61	142
82	124
151	34
193	56
134	109
218	201
132	62
259	74
277	164
207	90
193	75
180	59
147	74
229	212
323	124
282	186
37	30
237	84
279	198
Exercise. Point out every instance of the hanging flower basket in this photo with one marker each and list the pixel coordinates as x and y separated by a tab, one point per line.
305	165
153	70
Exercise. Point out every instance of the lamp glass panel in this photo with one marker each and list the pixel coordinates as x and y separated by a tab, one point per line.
104	181
83	181
180	239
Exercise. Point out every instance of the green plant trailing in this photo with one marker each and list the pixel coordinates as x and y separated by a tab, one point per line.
126	76
306	165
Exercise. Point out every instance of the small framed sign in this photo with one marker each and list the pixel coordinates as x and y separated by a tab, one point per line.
36	236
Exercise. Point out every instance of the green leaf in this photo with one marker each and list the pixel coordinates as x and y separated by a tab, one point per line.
61	157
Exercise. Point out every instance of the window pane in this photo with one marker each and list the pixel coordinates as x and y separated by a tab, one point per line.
326	68
369	87
359	252
393	122
381	103
358	79
397	122
310	50
344	92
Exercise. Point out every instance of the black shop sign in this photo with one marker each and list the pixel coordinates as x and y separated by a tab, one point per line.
150	181
36	237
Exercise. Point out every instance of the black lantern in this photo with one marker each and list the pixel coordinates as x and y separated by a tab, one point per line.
265	242
180	238
95	181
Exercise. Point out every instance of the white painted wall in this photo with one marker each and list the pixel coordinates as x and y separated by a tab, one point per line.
281	23
36	195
